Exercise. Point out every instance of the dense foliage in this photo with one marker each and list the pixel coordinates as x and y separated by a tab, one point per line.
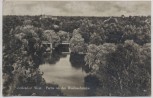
117	52
21	59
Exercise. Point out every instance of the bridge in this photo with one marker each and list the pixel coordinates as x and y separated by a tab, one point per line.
64	47
50	46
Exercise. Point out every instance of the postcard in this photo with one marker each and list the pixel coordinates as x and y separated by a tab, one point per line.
76	48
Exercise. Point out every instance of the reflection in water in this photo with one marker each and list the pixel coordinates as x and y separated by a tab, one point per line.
67	71
51	58
54	57
77	60
92	82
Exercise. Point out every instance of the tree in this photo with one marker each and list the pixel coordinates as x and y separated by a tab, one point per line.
96	55
95	39
96	59
77	43
114	33
122	70
21	62
84	31
143	35
64	36
51	36
125	72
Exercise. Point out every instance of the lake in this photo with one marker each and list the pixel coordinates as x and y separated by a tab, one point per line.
66	71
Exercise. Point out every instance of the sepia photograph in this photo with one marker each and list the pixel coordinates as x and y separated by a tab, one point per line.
76	48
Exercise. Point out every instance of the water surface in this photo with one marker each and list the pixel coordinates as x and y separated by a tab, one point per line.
65	74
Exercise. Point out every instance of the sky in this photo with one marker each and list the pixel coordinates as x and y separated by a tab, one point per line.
77	8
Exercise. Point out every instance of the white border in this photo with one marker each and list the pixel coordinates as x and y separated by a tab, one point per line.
0	47
77	0
70	0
